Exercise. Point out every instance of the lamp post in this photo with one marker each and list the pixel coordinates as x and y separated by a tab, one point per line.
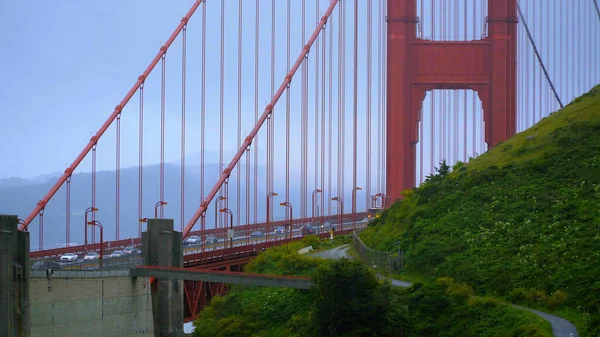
313	203
202	230
354	205
288	205
227	210
341	209
97	223
88	210
272	194
216	212
158	204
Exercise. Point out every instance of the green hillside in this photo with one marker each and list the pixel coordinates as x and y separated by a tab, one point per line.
521	221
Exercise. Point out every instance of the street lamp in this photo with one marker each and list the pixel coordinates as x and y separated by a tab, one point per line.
97	223
227	210
313	203
288	205
341	209
272	194
216	212
158	204
354	204
89	209
202	230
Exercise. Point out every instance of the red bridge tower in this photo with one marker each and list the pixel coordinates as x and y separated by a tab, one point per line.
414	66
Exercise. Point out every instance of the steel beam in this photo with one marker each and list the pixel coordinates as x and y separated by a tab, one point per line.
223	277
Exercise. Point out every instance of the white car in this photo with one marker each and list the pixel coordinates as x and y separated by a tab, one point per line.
116	253
192	240
91	256
69	257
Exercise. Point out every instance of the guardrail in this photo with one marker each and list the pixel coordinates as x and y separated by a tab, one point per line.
219	232
374	258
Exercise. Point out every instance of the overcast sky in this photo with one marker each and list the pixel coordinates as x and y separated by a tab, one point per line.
66	64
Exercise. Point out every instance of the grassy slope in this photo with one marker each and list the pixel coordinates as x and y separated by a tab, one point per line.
422	311
518	216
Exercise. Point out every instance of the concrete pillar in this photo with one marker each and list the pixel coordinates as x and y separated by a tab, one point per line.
162	246
14	279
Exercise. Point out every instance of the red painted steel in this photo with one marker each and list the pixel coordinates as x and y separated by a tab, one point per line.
94	140
415	66
248	141
137	241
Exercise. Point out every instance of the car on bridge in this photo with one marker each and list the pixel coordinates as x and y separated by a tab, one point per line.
279	230
116	253
69	257
256	234
130	250
91	256
193	240
211	239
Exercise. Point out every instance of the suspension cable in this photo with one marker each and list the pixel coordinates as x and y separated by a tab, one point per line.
537	54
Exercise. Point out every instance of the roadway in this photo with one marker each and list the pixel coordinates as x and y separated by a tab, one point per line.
135	259
560	326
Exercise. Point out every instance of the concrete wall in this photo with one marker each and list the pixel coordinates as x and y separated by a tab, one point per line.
85	303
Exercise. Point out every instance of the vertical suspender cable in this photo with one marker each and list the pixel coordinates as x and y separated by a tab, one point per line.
162	135
432	98
304	121
68	214
379	92
422	117
384	110
465	93
455	112
183	71
93	189
255	185
475	111
343	133
330	116
203	127
339	102
203	106
444	125
323	147
117	178
248	196
581	54
221	121
369	92
271	144
287	114
239	139
140	161
317	91
355	104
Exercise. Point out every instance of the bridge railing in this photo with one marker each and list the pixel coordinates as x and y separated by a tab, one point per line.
387	261
219	232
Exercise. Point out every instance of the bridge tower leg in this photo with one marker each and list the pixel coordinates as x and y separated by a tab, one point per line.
415	66
14	279
161	246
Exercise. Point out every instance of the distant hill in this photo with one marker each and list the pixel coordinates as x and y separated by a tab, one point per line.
522	221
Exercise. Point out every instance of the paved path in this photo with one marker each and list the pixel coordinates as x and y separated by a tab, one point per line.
560	326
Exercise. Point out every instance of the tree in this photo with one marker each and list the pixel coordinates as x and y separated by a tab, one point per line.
349	301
